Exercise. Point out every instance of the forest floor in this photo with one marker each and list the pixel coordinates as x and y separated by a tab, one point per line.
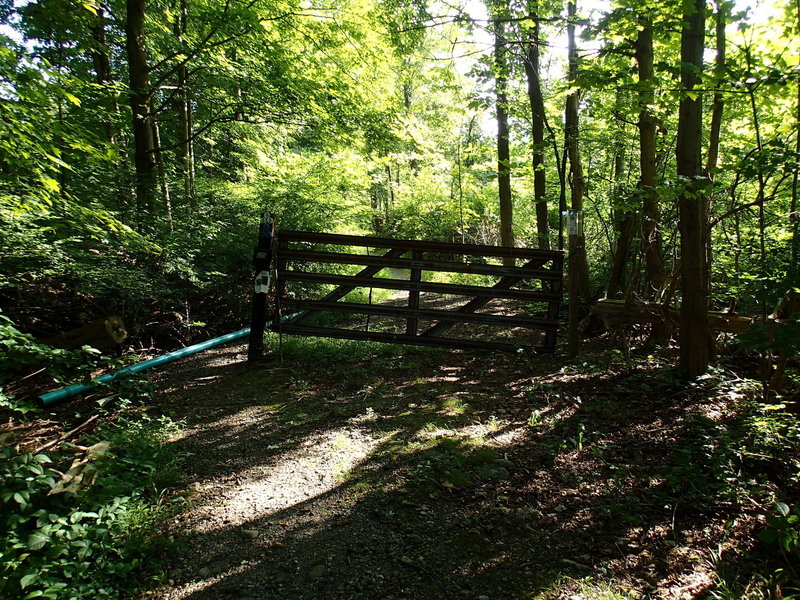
359	471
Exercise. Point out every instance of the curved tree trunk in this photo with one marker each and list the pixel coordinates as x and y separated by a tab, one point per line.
536	101
578	265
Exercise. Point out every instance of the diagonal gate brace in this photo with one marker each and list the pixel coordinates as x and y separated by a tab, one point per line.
341	291
505	283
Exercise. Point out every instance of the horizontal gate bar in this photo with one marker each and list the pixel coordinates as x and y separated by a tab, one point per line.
424	264
422	286
504	283
398	338
343	290
441	247
422	313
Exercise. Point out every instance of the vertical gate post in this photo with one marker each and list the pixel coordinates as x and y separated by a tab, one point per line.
262	257
554	306
574	219
413	295
280	284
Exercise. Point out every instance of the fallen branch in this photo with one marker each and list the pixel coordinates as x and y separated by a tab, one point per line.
67	435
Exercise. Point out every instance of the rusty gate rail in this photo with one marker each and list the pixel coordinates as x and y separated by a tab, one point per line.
299	255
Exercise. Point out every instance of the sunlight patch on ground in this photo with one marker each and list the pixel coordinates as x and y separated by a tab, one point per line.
204	582
298	476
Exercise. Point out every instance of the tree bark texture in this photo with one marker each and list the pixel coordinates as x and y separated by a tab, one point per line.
183	108
651	212
536	101
503	147
694	331
577	187
144	159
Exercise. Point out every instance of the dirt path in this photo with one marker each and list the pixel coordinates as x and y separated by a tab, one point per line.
361	472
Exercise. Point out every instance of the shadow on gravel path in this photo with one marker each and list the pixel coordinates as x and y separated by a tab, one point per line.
354	471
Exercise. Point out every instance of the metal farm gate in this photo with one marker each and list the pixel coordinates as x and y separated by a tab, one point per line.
445	294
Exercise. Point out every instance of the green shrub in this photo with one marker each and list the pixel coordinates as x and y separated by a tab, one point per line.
20	352
91	544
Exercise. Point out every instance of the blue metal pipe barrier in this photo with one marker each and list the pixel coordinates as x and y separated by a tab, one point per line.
78	388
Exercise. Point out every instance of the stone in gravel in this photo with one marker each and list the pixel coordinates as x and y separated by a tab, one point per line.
204	572
250	533
526	512
316	571
500	474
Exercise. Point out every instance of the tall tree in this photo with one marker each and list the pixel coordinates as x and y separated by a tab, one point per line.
694	333
647	158
183	108
795	217
623	218
536	100
102	63
578	265
651	212
715	130
139	97
500	12
718	102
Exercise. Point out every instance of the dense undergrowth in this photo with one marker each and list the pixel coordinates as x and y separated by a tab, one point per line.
95	542
81	521
732	454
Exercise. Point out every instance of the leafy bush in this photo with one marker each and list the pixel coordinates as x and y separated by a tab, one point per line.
20	351
86	545
783	528
782	337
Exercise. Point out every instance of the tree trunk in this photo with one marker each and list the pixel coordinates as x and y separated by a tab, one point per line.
624	222
794	218
144	159
503	147
102	66
651	212
718	103
537	117
183	108
647	161
694	332
578	266
161	171
717	109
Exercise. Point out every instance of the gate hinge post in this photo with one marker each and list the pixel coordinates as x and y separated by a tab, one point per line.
262	257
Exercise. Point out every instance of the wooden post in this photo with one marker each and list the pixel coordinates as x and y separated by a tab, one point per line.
576	250
413	295
280	284
262	257
554	306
